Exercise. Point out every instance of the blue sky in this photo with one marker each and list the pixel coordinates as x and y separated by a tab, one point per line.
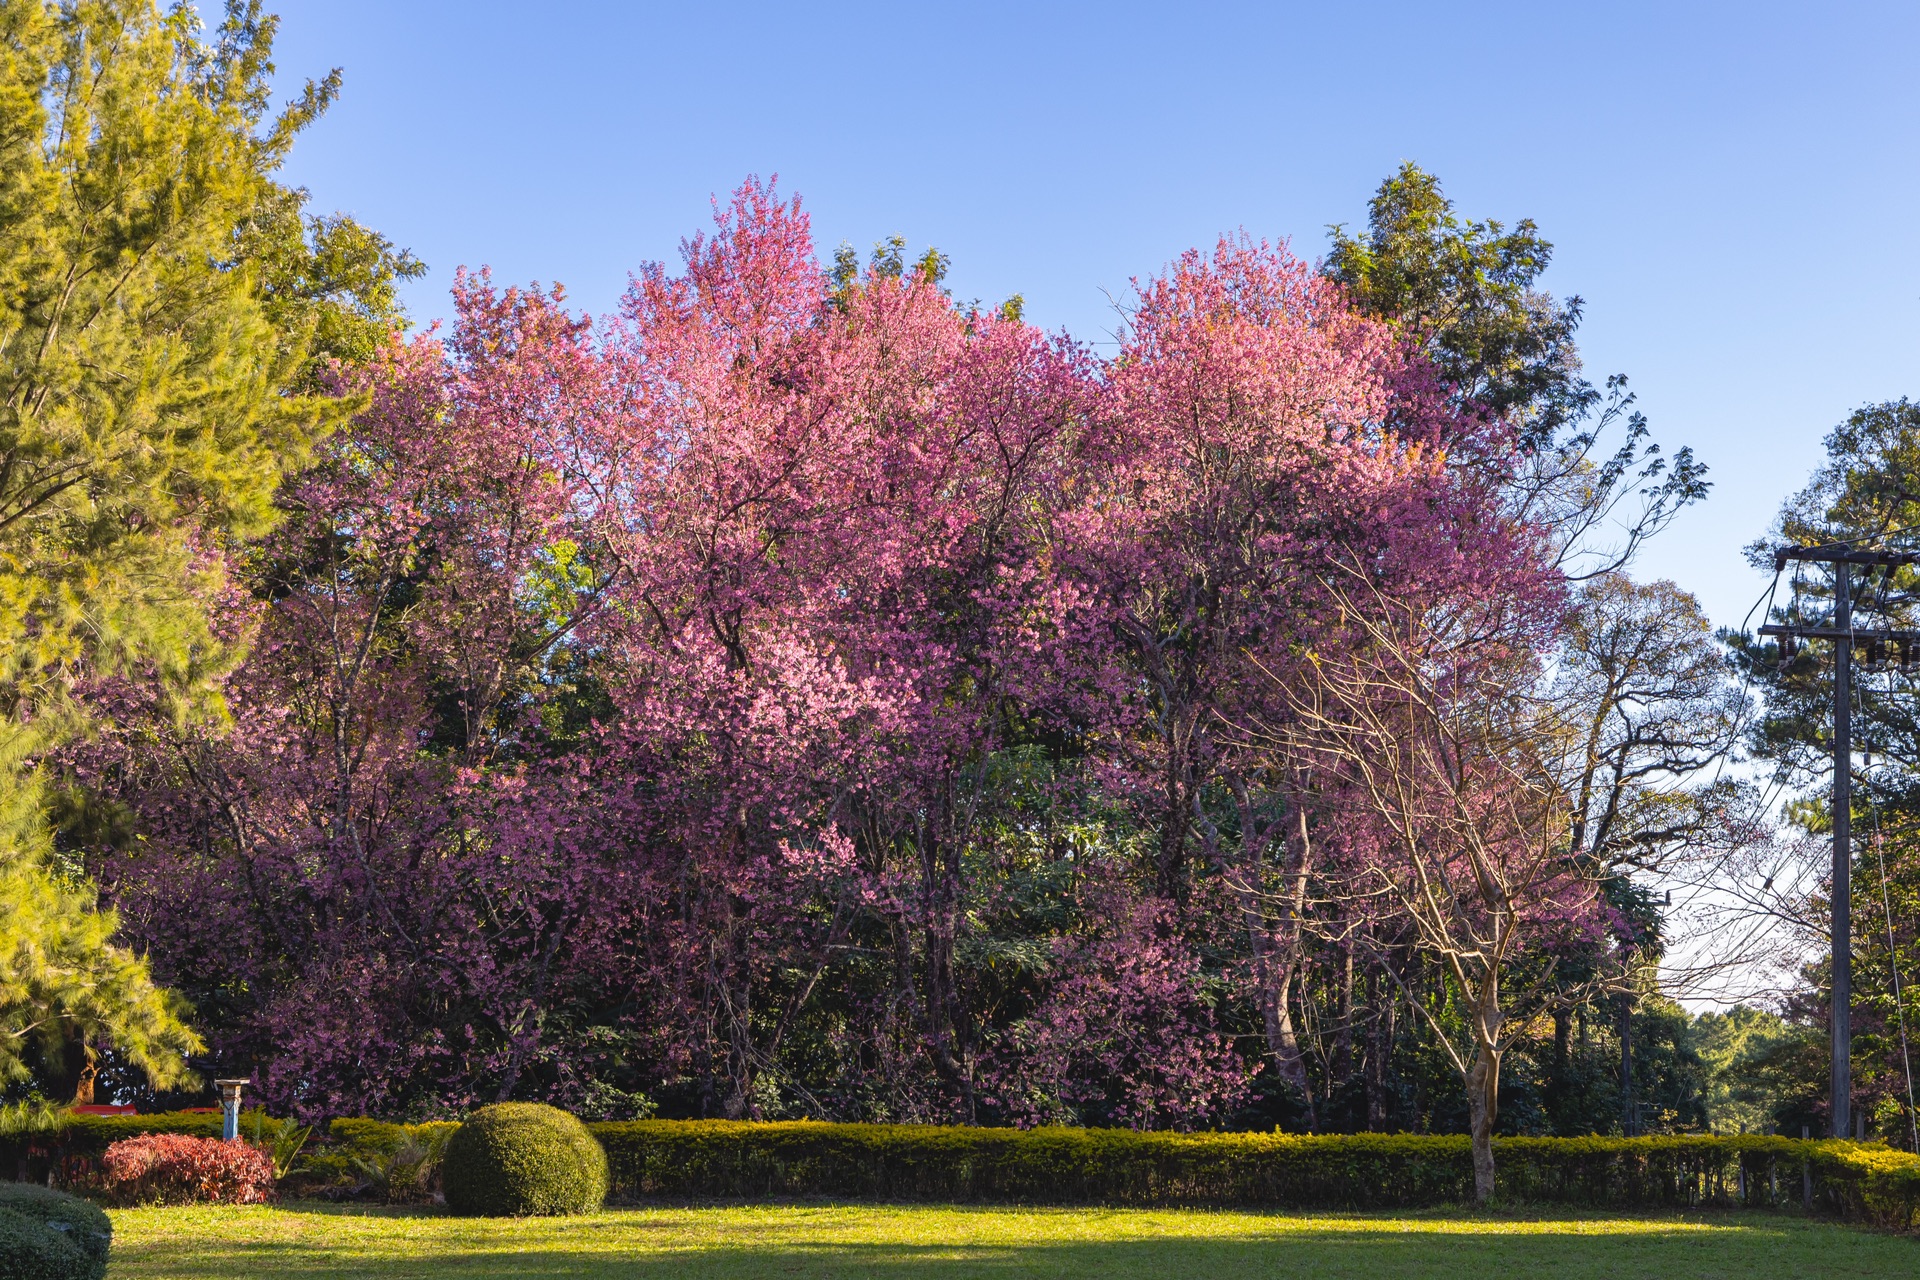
1731	187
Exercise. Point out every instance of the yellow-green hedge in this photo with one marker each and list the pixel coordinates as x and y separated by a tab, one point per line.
718	1159
28	1157
714	1159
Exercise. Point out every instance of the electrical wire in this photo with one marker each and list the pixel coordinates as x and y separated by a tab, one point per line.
1899	1005
1858	593
1763	605
1893	961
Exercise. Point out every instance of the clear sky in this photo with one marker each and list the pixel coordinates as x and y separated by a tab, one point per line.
1731	187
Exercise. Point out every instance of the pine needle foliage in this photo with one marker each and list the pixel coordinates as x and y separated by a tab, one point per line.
164	306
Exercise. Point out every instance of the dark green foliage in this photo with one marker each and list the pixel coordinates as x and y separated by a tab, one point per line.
521	1158
1466	293
1866	491
31	1250
32	1154
716	1158
47	1233
90	1135
1743	1050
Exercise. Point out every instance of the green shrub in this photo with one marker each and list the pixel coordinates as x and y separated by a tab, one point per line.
375	1159
518	1158
31	1250
702	1159
406	1174
711	1158
28	1152
46	1235
367	1137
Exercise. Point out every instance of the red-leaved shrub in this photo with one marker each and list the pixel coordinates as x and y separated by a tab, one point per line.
174	1168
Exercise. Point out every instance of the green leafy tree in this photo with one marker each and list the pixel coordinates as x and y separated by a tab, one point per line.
164	306
1868	492
1468	295
1669	1078
1733	1046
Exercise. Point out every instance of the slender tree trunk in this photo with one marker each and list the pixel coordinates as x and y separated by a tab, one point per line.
1483	1108
1293	1061
1170	859
1379	1046
1273	978
1628	1118
1557	1085
1483	1080
1343	1040
946	1022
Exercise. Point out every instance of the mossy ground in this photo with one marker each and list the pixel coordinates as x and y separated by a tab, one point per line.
891	1242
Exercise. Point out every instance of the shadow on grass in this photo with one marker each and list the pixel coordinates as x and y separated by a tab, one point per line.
635	1248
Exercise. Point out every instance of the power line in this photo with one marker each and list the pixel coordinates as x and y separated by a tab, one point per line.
1878	645
1893	963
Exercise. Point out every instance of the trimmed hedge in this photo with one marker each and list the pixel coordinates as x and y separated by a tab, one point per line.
716	1159
32	1250
77	1145
381	1137
48	1235
513	1159
704	1159
91	1135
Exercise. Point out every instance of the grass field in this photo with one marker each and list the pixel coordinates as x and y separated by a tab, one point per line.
884	1242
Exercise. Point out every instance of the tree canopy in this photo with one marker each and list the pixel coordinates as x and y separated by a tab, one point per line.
162	301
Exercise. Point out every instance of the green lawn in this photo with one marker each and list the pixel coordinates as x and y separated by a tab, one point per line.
886	1242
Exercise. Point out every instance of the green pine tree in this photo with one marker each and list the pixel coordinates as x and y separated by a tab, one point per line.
165	308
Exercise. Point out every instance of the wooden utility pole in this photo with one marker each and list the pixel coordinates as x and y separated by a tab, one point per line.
1845	636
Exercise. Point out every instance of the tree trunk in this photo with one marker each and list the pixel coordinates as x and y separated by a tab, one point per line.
1277	960
83	1090
1275	984
945	1021
1483	1107
1379	1046
1556	1092
1629	1120
1343	1041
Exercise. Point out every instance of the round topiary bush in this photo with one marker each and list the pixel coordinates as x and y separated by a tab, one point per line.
32	1250
48	1235
519	1158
